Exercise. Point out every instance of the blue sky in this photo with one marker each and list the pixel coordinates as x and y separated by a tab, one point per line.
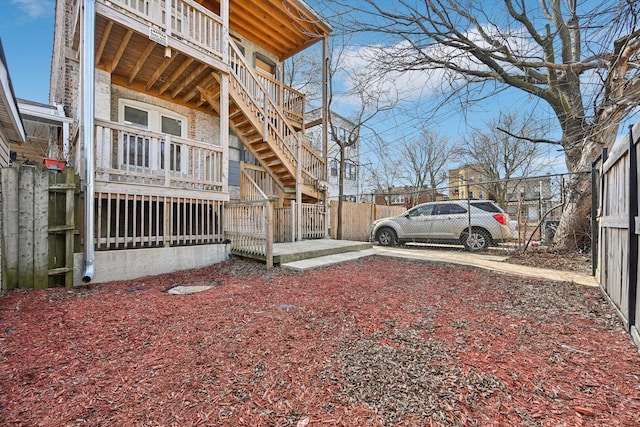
26	29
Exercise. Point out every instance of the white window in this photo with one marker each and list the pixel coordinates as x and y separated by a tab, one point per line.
350	171
143	151
397	199
334	168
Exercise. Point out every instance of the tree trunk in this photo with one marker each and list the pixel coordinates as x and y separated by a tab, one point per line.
340	193
574	230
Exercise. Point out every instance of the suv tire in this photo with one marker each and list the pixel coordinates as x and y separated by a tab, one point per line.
479	240
387	237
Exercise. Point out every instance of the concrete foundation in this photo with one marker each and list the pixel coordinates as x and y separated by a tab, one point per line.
134	263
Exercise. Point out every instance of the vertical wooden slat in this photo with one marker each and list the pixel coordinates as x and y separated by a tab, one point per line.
166	223
41	229
25	226
99	232
71	223
135	238
10	234
126	239
158	233
109	213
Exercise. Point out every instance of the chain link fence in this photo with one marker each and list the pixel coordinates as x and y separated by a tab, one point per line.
469	213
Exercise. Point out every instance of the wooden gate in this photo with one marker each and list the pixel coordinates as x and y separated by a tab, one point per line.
37	227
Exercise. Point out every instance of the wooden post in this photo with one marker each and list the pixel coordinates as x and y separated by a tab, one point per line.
10	236
71	226
41	228
25	227
269	232
633	237
299	188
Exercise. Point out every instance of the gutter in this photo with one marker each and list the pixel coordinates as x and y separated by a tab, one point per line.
88	115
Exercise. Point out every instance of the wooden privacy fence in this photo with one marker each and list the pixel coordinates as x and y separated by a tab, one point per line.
357	218
619	228
38	227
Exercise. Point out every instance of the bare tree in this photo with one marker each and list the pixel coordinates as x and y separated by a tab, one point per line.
368	95
302	73
502	151
385	171
424	164
580	58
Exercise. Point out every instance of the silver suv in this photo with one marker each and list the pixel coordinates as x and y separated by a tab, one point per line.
446	222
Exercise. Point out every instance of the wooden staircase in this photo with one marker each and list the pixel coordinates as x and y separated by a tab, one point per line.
262	127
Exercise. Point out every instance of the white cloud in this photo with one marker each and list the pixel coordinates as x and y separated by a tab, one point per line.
422	84
35	8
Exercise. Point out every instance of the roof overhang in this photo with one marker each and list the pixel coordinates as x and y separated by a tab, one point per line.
282	27
41	113
10	121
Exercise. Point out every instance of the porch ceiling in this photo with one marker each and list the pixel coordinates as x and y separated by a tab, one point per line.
283	27
139	63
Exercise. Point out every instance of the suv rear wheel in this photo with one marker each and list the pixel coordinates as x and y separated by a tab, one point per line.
478	240
386	237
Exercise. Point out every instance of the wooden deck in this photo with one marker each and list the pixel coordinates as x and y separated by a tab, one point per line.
305	249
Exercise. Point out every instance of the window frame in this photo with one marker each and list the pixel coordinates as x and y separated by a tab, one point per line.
153	155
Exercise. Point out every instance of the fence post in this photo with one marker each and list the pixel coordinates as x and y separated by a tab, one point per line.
594	221
633	238
269	232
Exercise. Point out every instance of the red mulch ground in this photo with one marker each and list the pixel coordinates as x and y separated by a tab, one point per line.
377	342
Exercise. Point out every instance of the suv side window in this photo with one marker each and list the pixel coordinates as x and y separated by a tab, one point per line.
421	211
449	209
487	207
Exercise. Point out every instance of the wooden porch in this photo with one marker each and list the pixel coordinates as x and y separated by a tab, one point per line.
306	249
184	59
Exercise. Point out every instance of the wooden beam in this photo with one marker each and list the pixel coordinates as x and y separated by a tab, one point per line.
158	72
103	41
203	83
143	58
190	78
187	62
120	52
208	95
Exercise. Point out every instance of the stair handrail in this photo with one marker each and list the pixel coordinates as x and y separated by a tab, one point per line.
276	126
255	93
255	187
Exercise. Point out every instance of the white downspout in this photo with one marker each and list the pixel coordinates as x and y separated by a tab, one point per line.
88	114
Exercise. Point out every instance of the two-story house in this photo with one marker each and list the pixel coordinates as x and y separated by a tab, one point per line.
169	98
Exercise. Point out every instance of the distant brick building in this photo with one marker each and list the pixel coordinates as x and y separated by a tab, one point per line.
407	196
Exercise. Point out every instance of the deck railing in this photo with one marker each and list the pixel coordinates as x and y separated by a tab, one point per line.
249	227
129	221
287	98
258	176
190	22
129	154
249	190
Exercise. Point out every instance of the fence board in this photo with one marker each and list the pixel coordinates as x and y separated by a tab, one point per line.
40	218
617	266
10	234
357	218
26	182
